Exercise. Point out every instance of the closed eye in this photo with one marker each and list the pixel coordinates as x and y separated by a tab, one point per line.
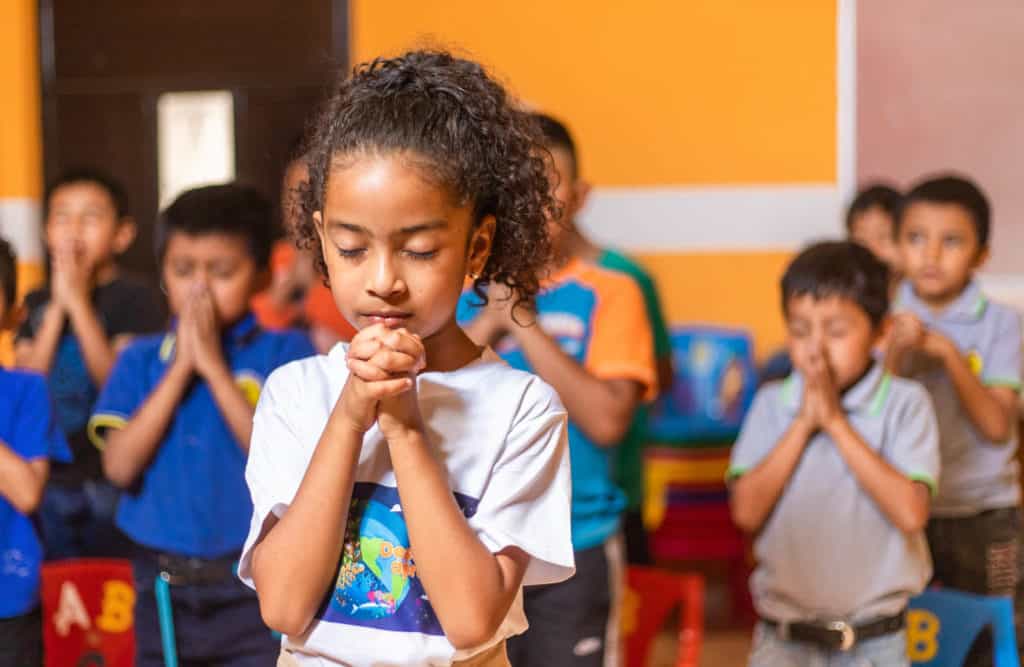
350	253
424	255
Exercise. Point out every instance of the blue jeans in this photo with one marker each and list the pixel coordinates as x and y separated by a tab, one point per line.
771	651
78	521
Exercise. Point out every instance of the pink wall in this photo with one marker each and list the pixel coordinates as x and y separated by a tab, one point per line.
940	85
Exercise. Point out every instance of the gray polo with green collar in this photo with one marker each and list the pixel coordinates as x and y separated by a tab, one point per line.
977	474
827	552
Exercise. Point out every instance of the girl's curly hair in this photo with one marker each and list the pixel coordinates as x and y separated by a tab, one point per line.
465	131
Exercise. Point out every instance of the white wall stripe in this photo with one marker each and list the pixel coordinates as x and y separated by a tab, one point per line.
708	219
20	224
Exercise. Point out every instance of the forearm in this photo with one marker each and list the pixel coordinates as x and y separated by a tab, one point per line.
988	415
97	350
297	560
472	599
20	483
754	495
902	500
38	354
602	414
482	331
233	405
128	450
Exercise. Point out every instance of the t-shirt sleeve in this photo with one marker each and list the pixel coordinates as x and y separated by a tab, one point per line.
621	344
1001	363
759	435
36	433
914	447
121	396
274	469
527	501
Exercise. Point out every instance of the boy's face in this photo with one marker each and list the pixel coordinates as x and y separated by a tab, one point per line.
568	192
835	328
940	250
398	247
220	262
876	230
82	219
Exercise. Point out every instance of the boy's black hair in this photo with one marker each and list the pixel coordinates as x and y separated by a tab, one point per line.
90	175
557	135
8	273
876	195
953	189
462	129
839	268
231	209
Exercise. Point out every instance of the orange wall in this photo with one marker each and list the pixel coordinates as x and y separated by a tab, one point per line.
657	92
738	289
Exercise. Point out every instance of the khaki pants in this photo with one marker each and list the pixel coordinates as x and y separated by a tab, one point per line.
492	657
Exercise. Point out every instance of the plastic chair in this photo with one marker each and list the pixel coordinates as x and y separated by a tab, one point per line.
942	625
686	512
88	613
651	595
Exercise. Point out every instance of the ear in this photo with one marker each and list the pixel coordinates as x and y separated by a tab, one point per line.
581	193
480	243
125	234
981	258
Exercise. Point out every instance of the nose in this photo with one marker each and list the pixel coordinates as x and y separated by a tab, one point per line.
384	281
933	251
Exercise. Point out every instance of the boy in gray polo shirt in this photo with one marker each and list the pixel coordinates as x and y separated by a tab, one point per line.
967	353
832	474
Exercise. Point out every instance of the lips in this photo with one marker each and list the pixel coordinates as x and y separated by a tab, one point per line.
389	318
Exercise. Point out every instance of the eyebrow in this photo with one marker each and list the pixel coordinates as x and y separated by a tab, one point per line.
404	231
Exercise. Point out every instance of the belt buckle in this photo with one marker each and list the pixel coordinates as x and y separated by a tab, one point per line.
848	637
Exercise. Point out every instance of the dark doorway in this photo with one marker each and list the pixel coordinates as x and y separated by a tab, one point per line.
106	63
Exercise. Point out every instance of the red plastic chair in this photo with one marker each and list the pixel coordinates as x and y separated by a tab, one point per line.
88	613
686	512
651	594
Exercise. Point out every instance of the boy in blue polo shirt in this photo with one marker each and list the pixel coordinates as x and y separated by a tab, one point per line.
967	353
832	473
29	440
174	423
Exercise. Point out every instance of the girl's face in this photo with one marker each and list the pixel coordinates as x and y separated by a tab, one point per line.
398	247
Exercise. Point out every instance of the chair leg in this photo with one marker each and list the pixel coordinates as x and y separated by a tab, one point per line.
691	626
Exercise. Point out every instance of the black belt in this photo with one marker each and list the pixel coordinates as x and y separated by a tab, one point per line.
837	635
185	571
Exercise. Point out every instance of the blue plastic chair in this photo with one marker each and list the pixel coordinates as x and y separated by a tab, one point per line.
942	625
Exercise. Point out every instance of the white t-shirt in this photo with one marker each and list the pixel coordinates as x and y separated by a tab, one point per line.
502	436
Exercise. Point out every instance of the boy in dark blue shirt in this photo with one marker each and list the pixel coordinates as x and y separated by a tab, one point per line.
174	423
71	334
29	440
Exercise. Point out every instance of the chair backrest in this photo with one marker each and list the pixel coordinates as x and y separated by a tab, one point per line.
714	384
651	594
88	613
942	625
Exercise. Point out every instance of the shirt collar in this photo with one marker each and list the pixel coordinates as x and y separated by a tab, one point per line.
867	397
968	307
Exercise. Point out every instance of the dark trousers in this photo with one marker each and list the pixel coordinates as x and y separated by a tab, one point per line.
77	521
982	554
570	620
21	641
638	550
215	625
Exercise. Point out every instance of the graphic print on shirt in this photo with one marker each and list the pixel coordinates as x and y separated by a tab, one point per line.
377	586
